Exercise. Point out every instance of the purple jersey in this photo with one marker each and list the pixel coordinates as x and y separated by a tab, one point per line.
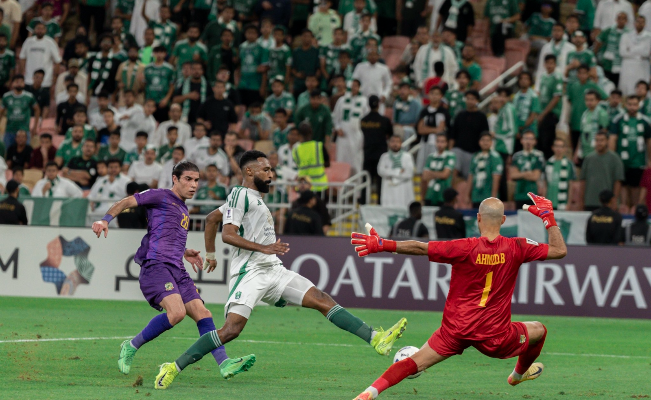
167	227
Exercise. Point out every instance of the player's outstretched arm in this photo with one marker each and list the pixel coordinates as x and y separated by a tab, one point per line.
116	208
230	236
210	234
544	210
373	243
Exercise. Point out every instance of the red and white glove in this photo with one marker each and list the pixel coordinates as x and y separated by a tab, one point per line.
542	209
371	243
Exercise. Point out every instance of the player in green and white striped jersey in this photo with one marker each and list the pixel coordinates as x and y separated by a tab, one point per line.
257	274
559	174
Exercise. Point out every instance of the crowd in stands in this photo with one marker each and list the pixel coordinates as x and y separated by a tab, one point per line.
99	94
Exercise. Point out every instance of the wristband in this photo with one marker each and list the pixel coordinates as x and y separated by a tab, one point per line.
210	256
108	218
549	221
388	245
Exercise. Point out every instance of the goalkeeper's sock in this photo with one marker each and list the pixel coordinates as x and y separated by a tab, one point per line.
348	322
394	375
206	325
528	357
156	326
206	343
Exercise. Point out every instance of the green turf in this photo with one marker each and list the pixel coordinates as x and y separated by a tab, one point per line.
88	369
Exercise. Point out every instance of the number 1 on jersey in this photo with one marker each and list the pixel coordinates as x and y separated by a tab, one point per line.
487	289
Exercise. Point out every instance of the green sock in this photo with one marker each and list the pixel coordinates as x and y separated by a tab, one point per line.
348	322
207	342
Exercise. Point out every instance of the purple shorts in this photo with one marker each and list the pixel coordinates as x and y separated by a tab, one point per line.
159	280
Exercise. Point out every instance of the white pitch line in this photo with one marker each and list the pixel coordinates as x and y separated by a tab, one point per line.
295	344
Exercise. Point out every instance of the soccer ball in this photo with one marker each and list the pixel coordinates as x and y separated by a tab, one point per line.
405	352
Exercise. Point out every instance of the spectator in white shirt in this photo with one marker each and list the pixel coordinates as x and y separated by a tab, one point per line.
375	78
40	52
606	15
199	139
134	119
148	170
351	19
165	179
429	54
96	115
212	154
109	188
55	186
184	130
78	77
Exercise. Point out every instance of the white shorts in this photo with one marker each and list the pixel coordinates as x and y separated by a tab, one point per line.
275	285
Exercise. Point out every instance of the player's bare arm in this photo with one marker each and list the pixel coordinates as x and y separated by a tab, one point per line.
116	208
210	235
230	236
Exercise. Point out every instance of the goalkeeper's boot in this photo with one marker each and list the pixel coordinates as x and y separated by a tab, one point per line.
364	396
233	366
384	340
533	372
127	351
166	375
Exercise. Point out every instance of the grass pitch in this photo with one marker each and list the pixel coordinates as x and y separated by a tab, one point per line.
300	355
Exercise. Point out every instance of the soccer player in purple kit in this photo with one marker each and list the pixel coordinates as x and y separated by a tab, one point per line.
163	279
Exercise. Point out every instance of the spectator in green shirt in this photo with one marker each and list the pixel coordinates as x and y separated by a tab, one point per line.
540	25
526	169
213	190
469	63
305	62
501	15
486	170
593	120
575	95
319	116
254	64
602	170
551	93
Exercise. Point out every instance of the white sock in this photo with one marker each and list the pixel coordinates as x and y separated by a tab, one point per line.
373	334
131	343
373	391
516	376
177	367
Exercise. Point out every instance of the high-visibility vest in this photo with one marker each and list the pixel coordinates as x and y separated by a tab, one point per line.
309	161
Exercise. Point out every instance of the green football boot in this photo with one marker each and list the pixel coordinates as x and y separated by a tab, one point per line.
234	366
384	340
127	351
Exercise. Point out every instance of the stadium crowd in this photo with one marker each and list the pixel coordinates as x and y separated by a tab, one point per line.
99	94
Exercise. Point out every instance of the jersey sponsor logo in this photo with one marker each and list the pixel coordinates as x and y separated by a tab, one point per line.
532	242
490	259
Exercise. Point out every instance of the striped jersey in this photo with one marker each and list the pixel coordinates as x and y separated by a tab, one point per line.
245	209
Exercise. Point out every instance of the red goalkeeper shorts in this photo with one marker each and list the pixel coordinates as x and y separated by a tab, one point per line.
511	343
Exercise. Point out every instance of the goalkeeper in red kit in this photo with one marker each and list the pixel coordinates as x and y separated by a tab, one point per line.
478	307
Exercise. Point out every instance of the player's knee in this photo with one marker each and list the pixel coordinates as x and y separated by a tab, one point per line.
175	316
537	331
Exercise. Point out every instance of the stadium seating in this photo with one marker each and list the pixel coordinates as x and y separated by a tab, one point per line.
265	146
57	140
392	49
515	51
492	68
338	171
48	125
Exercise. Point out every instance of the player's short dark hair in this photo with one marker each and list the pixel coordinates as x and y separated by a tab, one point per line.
132	188
79	110
194	25
281	111
181	148
633	97
616	92
113	161
559	24
225	31
450	30
463	72
250	156
249	27
115	133
484	134
550	57
593	93
437	89
646	85
39	71
504	90
46	136
160	49
51	164
525	73
415	207
172	128
182	167
473	93
255	104
315	93
142	134
605	196
17	76
108	110
212	166
583	66
199	124
573	16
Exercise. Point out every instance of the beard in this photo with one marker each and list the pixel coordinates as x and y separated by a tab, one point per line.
262	186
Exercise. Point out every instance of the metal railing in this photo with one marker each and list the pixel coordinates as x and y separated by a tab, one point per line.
341	198
497	81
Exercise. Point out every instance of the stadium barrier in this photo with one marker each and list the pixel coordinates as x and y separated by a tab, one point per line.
590	281
52	211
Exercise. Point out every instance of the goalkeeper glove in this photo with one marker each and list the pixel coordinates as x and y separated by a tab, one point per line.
371	243
542	209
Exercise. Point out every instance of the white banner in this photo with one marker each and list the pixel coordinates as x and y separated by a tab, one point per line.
571	223
73	262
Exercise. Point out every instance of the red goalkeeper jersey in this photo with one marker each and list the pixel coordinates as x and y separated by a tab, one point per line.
478	306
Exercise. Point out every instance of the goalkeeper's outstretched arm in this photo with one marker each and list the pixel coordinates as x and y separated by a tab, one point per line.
373	243
412	247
